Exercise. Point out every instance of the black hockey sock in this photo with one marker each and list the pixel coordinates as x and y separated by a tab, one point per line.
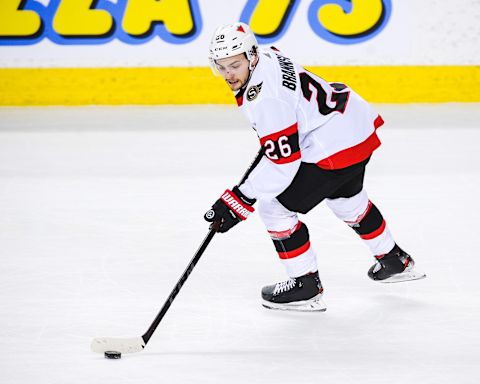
371	225
294	244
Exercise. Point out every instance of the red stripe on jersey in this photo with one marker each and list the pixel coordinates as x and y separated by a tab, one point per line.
375	233
296	252
239	100
275	136
352	155
378	122
355	154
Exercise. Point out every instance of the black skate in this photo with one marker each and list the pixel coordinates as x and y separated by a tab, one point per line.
394	267
302	293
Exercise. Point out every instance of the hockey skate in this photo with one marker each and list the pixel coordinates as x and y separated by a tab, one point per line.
394	267
302	294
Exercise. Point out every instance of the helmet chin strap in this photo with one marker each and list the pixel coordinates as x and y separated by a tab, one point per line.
250	72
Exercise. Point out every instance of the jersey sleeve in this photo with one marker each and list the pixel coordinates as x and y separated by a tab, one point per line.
276	125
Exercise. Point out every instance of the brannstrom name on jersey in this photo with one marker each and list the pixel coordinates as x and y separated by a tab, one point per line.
288	72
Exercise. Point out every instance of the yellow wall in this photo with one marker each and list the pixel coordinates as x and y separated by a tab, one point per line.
197	85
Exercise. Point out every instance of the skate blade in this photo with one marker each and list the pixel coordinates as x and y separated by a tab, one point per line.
404	276
315	304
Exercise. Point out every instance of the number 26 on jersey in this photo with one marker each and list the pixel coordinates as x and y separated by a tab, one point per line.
282	147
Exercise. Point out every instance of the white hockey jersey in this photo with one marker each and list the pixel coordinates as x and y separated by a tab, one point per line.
300	117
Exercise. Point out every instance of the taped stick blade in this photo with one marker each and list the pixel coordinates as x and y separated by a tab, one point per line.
123	345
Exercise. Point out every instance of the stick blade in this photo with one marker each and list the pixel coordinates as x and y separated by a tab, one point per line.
123	345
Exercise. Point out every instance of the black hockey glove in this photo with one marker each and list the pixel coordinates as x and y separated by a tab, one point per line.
232	207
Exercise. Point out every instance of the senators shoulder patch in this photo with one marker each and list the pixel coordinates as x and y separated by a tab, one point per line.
253	91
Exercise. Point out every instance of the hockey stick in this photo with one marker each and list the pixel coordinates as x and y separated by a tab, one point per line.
136	344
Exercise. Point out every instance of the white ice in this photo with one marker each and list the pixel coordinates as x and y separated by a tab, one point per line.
101	210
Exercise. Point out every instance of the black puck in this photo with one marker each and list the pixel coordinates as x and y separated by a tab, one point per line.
112	355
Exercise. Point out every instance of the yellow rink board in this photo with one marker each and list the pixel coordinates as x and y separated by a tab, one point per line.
197	85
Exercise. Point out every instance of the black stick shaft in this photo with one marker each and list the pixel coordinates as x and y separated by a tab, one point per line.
147	335
252	166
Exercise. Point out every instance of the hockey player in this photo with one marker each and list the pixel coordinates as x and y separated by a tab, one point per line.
316	139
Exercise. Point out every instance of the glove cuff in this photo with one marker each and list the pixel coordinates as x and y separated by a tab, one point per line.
242	197
238	203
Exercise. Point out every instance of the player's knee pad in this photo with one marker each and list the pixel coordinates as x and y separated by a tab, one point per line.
350	209
275	216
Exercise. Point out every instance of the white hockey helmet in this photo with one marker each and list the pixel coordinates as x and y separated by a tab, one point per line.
230	40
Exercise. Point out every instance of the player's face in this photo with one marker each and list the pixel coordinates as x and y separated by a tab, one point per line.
234	70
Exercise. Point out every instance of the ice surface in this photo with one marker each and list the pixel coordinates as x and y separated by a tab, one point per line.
101	210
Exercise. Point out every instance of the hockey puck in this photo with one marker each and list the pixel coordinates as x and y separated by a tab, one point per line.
112	355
